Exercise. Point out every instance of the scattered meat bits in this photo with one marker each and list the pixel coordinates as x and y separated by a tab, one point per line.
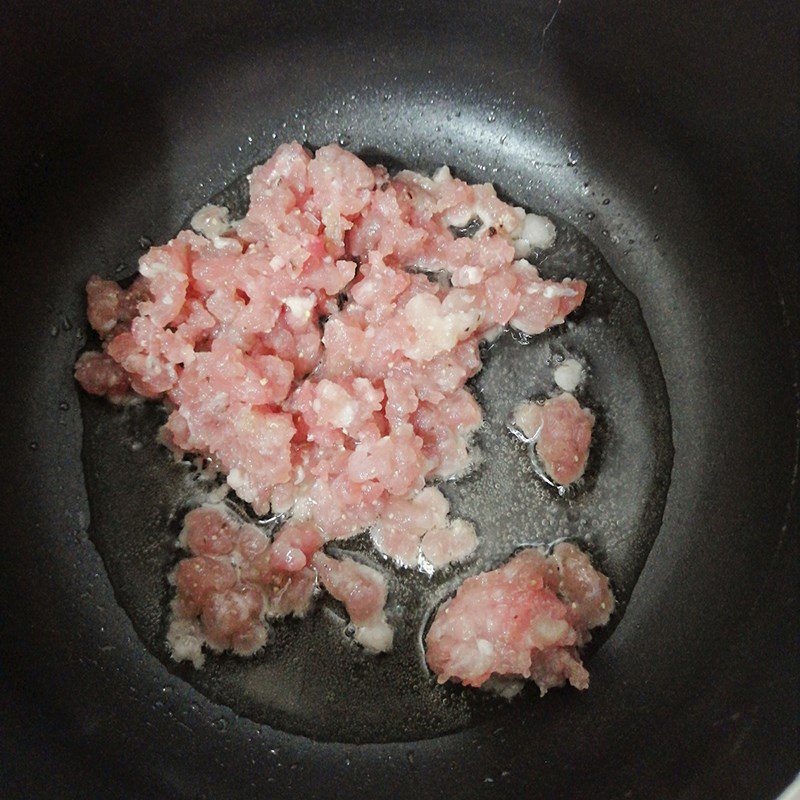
236	579
528	618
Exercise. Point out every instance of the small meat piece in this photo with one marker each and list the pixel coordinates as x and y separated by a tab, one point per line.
236	580
454	542
293	596
436	329
231	619
446	428
568	375
199	577
185	640
211	221
586	590
341	188
110	308
363	591
399	530
561	431
543	303
167	267
421	526
526	618
208	531
99	374
330	409
103	304
288	579
294	546
255	446
534	233
395	461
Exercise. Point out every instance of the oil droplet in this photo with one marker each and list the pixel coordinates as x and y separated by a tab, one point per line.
590	215
606	201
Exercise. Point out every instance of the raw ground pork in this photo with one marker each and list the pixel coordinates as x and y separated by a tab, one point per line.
316	353
527	618
236	580
561	431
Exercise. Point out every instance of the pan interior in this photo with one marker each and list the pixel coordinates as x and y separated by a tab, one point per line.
311	679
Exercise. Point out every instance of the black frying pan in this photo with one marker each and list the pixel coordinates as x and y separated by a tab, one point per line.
663	139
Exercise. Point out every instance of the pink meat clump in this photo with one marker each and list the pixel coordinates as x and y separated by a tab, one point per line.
363	592
526	619
304	351
561	431
236	580
419	532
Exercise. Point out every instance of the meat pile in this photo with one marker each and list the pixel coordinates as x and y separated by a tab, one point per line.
527	619
316	353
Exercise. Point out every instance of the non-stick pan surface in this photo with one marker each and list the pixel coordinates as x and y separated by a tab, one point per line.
658	139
